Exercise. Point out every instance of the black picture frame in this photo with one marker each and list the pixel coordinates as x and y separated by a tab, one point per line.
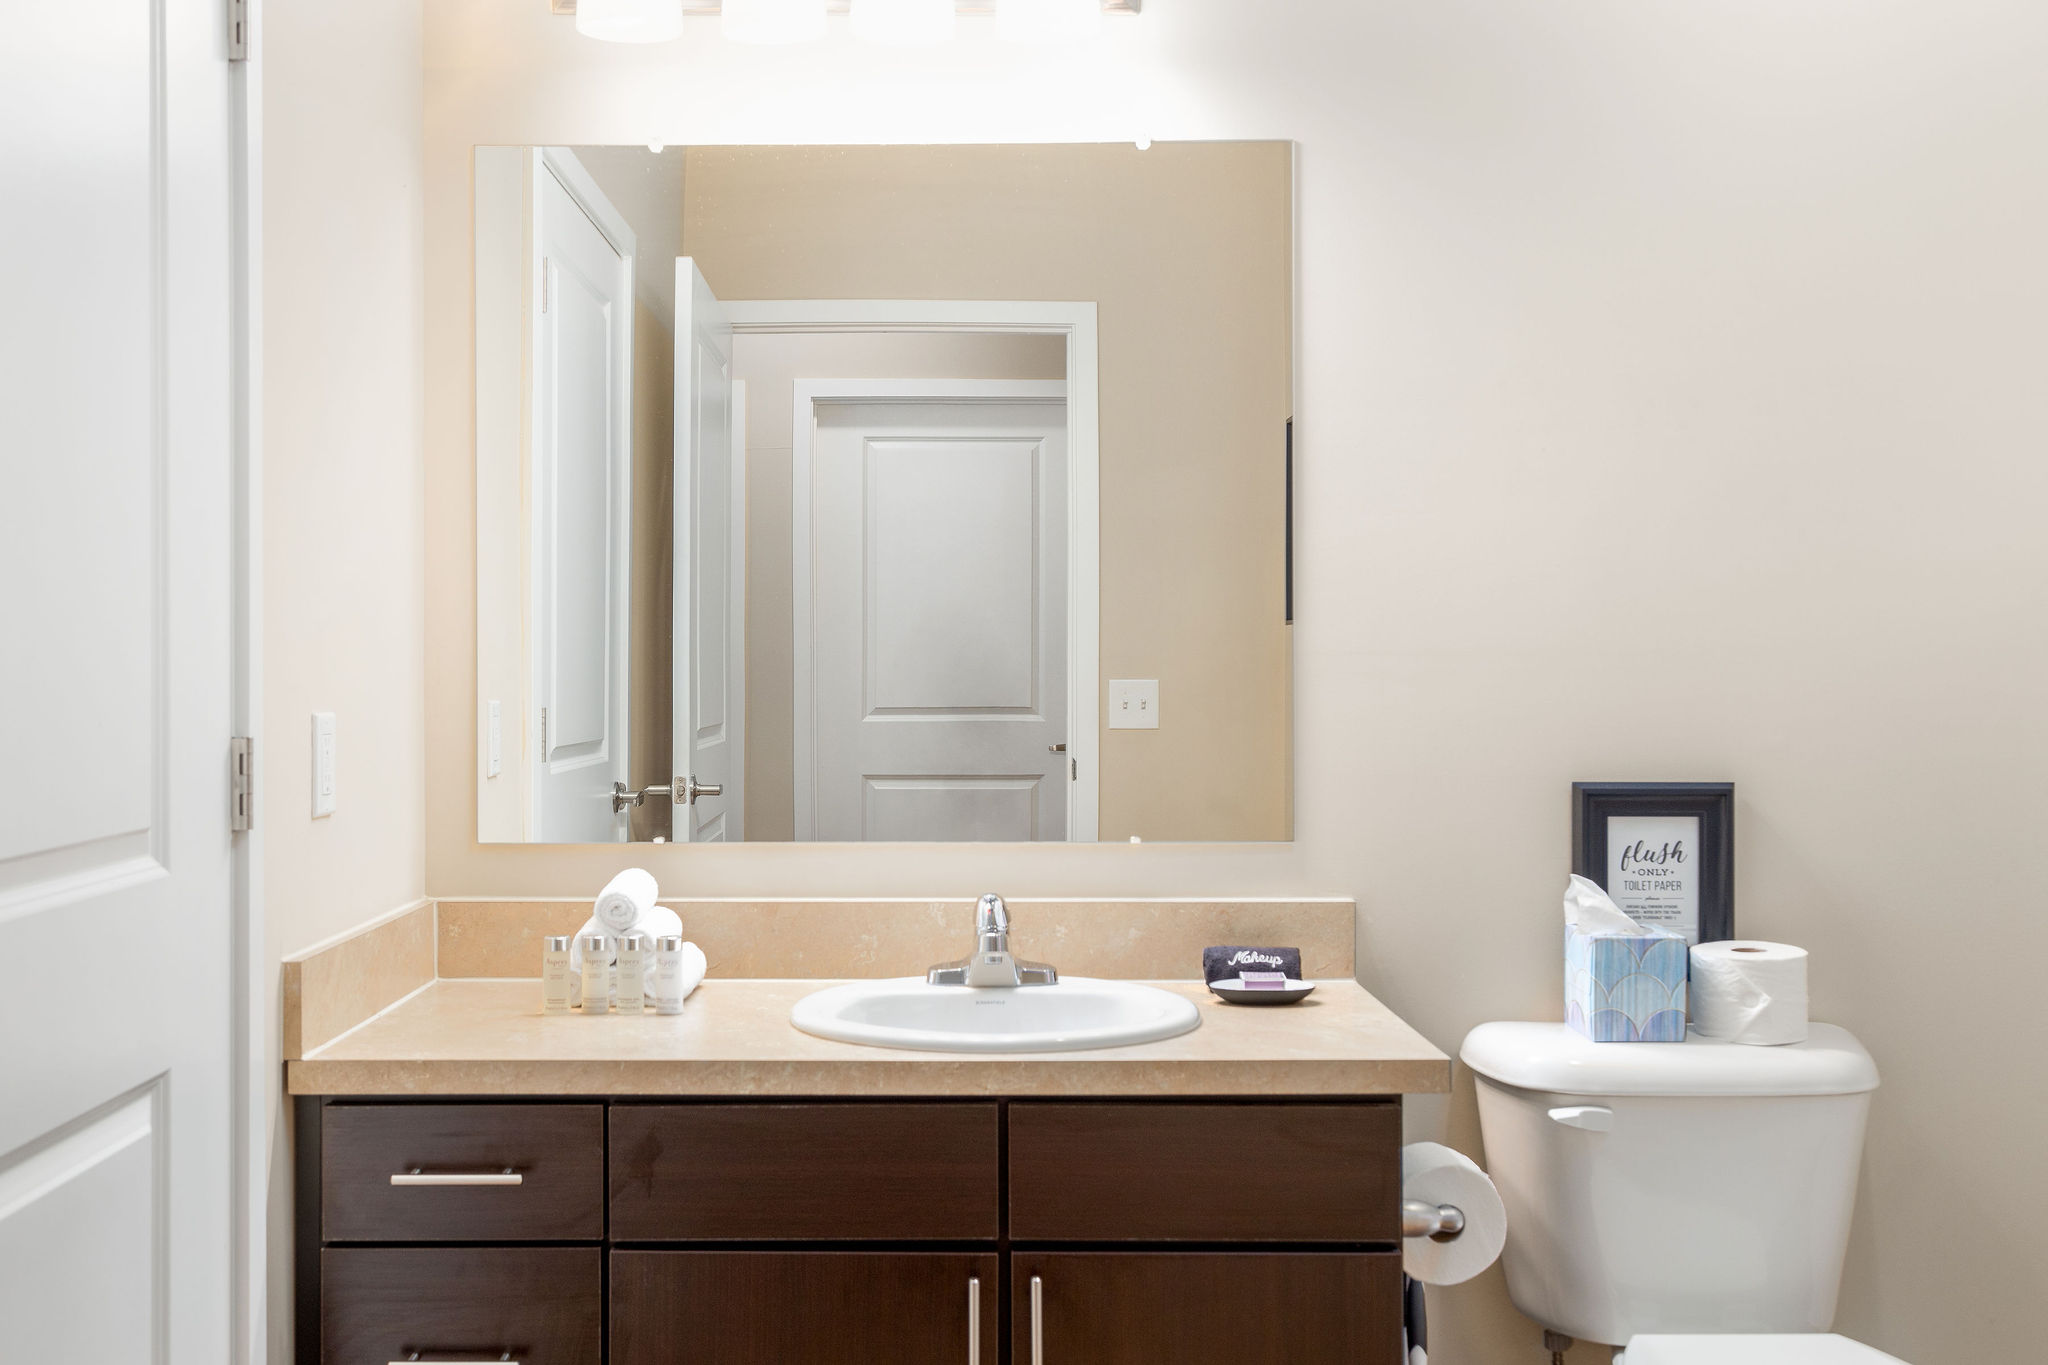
1712	802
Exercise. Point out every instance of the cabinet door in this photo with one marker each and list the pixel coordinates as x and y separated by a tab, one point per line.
1222	1308
534	1305
802	1308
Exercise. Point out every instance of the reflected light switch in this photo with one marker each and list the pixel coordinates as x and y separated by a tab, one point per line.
1134	703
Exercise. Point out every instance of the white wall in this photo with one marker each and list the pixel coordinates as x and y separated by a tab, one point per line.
343	526
1669	407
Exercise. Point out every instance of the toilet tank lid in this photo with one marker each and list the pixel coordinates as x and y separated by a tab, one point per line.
1553	1057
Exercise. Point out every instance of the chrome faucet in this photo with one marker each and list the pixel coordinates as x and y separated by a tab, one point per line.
991	964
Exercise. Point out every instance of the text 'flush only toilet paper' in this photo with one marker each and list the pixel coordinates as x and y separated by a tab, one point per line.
1435	1174
1749	992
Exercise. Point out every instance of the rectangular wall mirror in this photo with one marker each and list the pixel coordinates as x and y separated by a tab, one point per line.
864	494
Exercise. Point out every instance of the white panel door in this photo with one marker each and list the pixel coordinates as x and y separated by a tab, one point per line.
116	1150
704	624
582	454
935	641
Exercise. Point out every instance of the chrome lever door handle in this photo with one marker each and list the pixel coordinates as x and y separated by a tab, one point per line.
1037	1321
624	796
688	789
974	1320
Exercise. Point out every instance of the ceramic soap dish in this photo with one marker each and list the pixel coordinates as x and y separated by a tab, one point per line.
1238	991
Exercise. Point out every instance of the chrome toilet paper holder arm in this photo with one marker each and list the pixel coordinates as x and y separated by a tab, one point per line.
1438	1222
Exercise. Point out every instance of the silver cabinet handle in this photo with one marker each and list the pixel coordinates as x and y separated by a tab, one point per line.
974	1320
416	1359
416	1176
1037	1321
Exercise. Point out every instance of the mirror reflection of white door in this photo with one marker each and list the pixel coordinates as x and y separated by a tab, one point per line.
582	510
931	610
703	690
117	1193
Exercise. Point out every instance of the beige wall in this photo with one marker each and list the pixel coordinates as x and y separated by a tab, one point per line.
1667	383
650	713
1187	252
342	529
771	363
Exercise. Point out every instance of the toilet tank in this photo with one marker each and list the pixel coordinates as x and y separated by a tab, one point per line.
1673	1187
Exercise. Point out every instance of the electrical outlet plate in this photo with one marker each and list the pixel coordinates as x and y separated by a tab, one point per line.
1134	703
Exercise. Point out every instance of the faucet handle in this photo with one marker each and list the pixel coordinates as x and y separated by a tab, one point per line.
991	916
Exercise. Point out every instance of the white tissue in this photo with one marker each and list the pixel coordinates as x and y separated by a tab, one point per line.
1590	910
625	899
1745	991
655	923
1435	1174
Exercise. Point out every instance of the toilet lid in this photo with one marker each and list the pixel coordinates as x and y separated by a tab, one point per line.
1811	1349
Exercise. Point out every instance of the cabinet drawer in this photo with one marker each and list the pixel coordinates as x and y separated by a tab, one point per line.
868	1172
555	1151
535	1305
1205	1172
804	1308
1217	1308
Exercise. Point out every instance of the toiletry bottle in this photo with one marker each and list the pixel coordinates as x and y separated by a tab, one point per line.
668	974
632	974
597	974
554	975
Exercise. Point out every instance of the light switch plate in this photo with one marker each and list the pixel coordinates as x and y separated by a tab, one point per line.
1134	703
323	763
496	744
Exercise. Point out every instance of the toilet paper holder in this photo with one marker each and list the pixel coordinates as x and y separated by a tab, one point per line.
1438	1222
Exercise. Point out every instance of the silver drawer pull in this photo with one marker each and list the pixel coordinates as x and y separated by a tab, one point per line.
1037	1321
416	1176
974	1320
417	1359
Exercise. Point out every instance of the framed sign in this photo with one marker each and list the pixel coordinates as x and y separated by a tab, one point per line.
1665	851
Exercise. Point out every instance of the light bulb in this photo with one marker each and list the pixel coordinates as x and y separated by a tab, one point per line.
1048	21
903	23
773	21
630	21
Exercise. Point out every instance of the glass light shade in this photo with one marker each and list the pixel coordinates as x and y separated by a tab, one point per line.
773	21
630	21
903	23
1048	21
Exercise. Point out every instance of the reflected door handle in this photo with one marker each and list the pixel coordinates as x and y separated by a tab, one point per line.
688	789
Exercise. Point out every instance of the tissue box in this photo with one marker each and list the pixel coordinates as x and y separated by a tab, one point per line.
1625	988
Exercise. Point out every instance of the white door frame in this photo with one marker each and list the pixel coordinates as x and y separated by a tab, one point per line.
1080	742
568	172
1075	321
736	621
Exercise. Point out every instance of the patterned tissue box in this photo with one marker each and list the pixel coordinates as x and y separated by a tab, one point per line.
1624	988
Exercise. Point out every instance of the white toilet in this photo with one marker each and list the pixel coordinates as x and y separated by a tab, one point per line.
1689	1200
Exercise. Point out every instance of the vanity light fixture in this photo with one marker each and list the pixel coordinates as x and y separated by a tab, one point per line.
1048	21
772	21
896	23
903	23
630	21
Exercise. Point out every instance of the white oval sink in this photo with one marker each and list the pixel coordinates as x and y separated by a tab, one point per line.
1075	1013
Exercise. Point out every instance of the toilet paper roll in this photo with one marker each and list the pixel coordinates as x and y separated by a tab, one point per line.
1435	1174
1744	991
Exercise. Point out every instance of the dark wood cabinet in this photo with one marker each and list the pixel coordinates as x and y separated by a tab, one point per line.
805	1172
535	1305
1205	1308
827	1232
817	1308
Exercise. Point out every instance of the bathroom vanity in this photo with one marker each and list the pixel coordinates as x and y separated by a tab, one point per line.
478	1182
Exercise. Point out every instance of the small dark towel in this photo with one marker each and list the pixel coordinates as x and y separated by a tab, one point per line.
1218	963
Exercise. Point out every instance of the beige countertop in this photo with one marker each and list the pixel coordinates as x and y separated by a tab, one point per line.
488	1037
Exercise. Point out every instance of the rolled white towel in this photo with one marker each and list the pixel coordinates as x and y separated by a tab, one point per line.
656	922
625	899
